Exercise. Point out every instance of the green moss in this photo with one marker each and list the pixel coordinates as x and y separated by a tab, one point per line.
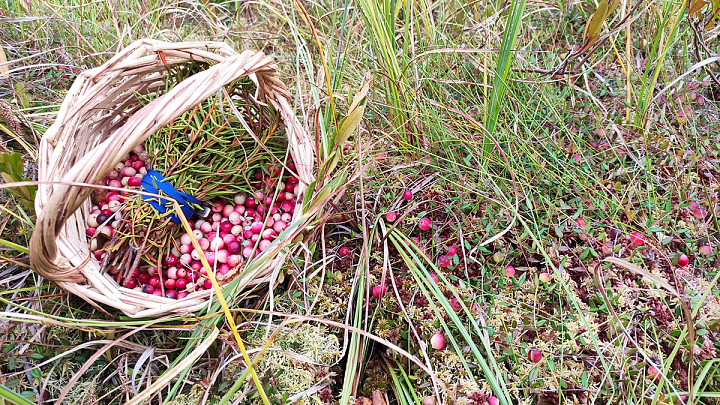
299	361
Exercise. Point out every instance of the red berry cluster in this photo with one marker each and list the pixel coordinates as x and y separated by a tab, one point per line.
231	233
105	215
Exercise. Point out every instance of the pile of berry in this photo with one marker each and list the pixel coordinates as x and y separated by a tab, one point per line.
231	233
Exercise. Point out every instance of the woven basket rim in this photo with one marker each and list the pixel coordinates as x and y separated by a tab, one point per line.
73	151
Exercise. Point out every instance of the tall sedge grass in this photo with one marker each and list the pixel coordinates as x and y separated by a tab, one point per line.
502	71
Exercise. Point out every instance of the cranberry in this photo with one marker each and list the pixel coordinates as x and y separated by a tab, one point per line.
143	278
170	260
234	247
102	217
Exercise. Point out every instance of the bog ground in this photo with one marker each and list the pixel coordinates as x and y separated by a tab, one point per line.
516	203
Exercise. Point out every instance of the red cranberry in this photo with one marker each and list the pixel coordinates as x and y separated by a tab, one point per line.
143	278
172	294
180	284
683	260
130	283
226	226
169	283
148	289
134	181
170	260
154	281
234	247
112	196
102	217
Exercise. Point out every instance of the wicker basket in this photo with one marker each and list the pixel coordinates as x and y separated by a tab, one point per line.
101	120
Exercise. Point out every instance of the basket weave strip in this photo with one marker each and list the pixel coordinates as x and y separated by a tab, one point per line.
101	120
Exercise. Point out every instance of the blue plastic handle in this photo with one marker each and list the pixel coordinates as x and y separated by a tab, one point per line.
154	181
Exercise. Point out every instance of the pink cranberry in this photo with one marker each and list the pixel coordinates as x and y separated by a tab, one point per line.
279	226
181	273
455	304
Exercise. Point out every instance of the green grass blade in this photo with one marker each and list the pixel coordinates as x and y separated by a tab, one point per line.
512	29
12	397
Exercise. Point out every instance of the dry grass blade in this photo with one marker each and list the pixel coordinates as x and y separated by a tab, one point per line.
170	374
97	355
683	299
642	272
4	65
